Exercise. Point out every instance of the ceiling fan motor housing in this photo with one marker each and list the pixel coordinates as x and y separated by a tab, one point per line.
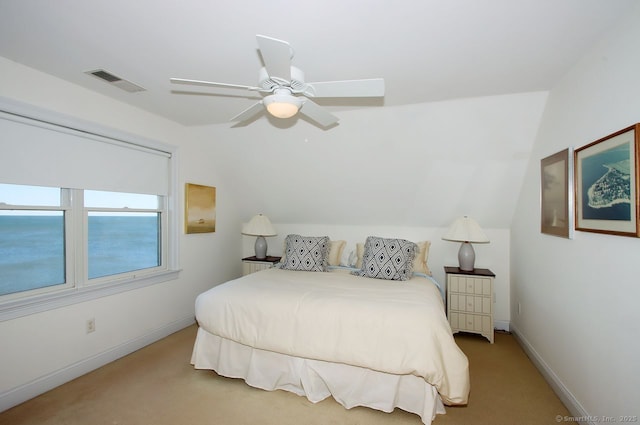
297	84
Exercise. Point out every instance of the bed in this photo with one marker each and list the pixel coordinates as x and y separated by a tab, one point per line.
364	341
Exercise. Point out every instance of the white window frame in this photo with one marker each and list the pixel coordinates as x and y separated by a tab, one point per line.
46	300
69	282
131	274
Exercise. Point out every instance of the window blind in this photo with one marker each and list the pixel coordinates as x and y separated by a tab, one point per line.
39	153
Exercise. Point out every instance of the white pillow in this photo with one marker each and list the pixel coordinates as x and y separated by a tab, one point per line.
335	252
420	263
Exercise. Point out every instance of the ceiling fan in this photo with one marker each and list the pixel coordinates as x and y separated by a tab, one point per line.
285	91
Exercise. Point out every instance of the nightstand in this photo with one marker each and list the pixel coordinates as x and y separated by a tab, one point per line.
252	264
470	301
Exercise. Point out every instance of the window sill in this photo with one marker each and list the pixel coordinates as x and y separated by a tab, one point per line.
37	304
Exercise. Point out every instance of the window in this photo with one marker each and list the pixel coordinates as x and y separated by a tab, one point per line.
124	232
41	251
85	211
32	239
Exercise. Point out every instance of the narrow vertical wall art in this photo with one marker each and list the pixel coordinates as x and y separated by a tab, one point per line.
200	208
556	203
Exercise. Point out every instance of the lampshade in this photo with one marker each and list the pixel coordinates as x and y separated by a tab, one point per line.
259	226
282	104
465	229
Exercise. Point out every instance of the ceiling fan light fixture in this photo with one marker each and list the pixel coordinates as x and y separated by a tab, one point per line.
282	104
284	90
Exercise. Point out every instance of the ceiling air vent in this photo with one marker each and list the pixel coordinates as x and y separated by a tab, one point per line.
115	80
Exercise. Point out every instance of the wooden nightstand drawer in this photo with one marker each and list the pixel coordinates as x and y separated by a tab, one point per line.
470	303
471	323
471	285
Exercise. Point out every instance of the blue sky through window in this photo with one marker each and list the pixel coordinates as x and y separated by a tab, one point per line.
50	196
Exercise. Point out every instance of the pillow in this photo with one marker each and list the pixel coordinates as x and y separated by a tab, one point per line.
420	263
335	252
359	254
390	259
306	253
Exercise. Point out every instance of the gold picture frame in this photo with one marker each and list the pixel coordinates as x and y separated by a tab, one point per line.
556	206
200	208
606	184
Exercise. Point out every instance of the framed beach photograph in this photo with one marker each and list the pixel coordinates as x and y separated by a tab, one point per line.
200	208
606	184
556	203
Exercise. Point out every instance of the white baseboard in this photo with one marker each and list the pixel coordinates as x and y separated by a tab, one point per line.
45	383
572	404
501	325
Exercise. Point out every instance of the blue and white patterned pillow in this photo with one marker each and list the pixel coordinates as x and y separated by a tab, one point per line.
306	253
390	259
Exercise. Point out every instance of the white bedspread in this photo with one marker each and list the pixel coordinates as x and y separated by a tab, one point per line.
392	327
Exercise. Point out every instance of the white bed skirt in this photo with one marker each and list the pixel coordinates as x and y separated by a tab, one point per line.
349	385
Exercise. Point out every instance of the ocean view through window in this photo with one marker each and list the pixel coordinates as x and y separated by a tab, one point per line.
120	244
31	252
44	232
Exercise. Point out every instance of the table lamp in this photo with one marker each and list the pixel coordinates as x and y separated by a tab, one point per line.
260	226
468	231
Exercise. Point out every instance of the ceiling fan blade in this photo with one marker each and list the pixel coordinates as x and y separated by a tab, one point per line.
318	114
276	55
249	113
211	84
373	87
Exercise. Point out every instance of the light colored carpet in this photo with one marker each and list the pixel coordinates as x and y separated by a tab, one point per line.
158	386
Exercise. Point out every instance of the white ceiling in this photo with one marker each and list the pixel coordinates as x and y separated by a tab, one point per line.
426	50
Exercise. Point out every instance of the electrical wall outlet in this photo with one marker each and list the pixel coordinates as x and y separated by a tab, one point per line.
91	325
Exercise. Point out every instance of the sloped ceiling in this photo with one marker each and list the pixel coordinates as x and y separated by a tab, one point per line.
426	50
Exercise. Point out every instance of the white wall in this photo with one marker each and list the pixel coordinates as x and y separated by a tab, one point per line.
45	349
579	316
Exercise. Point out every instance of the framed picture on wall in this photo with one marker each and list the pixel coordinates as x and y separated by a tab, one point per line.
200	208
556	203
606	175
